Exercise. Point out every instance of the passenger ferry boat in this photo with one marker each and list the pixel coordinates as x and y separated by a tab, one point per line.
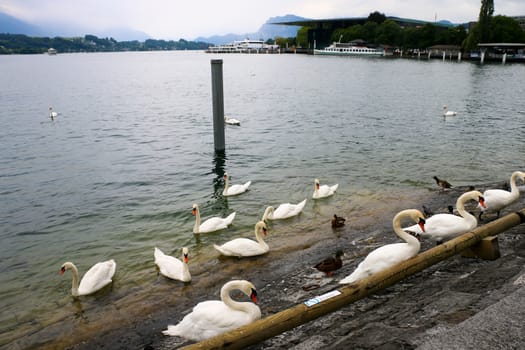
349	49
244	46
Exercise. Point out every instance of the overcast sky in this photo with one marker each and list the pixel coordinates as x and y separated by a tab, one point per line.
175	19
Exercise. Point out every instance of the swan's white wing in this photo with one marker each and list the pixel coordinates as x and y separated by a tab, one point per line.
170	266
215	224
381	259
98	276
237	189
241	247
325	190
496	200
211	318
287	210
442	226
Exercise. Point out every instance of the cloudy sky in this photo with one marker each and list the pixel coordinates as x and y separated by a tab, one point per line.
175	19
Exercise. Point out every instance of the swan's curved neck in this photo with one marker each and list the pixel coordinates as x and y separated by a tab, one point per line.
227	183
514	190
460	205
226	298
74	283
259	237
396	224
185	268
197	220
267	213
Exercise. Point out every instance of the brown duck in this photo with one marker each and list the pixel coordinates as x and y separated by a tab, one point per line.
330	264
338	221
442	183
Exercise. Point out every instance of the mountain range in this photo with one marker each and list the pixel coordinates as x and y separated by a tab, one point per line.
12	25
266	31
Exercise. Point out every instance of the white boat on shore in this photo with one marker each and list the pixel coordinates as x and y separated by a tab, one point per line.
350	49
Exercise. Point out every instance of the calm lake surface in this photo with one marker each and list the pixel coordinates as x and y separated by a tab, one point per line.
117	172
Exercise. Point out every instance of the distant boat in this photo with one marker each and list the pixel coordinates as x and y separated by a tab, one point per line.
51	51
350	49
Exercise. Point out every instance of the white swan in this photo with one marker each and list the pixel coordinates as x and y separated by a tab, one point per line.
390	254
283	211
97	277
211	224
232	121
496	200
52	114
447	113
172	267
234	189
246	247
441	227
213	317
324	190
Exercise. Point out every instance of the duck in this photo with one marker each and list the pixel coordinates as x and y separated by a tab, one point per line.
427	211
172	267
234	190
212	224
390	254
324	190
244	247
443	226
496	199
447	113
444	184
96	278
232	121
338	221
283	211
52	114
213	317
331	263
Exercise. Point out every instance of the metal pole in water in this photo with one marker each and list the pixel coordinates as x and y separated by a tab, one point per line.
218	105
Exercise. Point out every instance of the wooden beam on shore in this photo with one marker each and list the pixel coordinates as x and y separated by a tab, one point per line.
346	294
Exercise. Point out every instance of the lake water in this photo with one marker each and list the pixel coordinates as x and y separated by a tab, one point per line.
116	173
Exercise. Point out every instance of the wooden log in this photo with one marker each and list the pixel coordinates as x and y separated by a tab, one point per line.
487	249
290	318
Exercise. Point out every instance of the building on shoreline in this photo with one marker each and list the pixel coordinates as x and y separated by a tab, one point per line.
244	46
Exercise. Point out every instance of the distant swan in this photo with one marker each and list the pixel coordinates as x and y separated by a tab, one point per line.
234	189
232	121
447	113
390	254
211	224
283	211
52	114
97	277
324	190
213	317
242	247
496	199
441	227
172	267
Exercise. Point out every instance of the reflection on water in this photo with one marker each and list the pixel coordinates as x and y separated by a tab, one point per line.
219	162
117	171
